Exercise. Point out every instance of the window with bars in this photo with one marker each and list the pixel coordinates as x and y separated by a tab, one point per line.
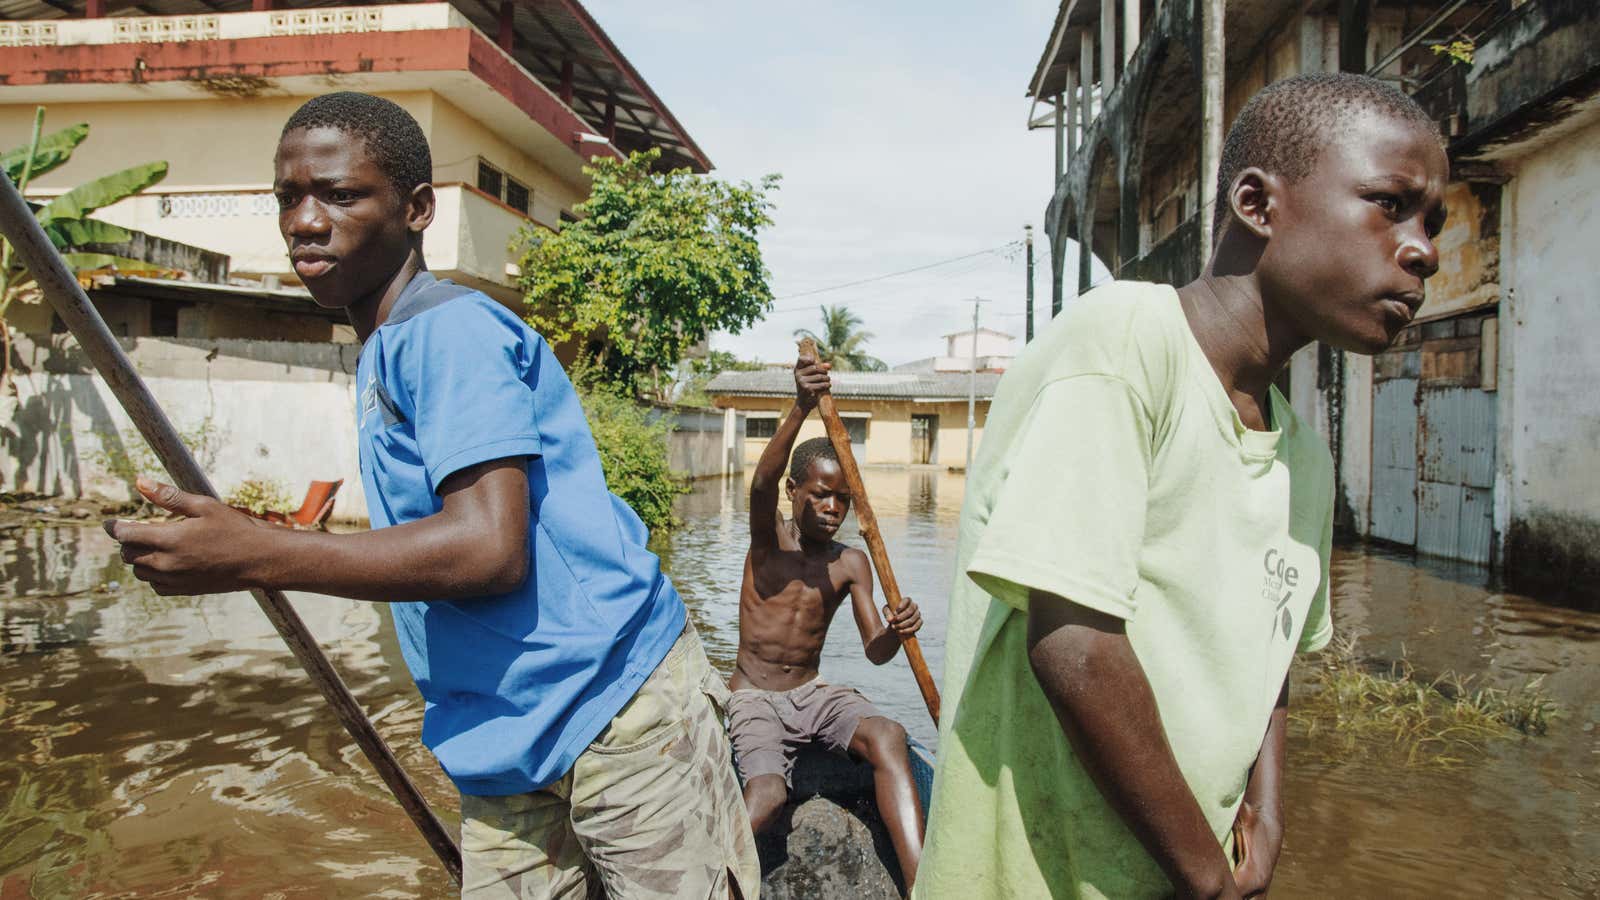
490	180
763	427
517	195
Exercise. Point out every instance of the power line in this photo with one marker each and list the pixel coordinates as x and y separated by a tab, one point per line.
889	294
932	265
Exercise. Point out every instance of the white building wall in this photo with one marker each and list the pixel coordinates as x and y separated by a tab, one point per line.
267	410
1549	442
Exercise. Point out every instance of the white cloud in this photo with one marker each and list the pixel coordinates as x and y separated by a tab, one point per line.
900	131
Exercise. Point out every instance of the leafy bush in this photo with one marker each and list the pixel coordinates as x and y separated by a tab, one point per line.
633	452
127	456
261	494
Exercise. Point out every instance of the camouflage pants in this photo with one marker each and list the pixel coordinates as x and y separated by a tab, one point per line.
652	809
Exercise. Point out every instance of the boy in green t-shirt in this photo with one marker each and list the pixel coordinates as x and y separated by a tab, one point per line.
1147	527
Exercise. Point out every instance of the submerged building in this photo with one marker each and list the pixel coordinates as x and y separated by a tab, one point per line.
1477	436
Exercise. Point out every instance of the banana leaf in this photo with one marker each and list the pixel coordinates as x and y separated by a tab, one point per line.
54	149
90	262
86	198
66	233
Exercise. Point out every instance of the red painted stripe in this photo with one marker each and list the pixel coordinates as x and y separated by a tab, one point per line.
435	50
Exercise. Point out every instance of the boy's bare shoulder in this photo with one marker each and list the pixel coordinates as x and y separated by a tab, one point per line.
853	559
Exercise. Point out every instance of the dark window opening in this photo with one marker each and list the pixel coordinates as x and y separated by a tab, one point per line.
517	196
857	427
568	217
760	428
163	318
490	179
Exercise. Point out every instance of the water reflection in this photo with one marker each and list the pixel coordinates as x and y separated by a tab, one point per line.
170	745
154	746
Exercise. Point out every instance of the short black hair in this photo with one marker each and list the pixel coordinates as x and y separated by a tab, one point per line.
1286	125
394	140
808	452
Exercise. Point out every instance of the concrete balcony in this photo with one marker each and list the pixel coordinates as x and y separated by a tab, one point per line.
469	240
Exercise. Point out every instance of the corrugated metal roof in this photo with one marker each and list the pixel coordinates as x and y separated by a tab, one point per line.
858	385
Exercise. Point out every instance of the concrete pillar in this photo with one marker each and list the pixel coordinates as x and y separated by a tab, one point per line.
1108	47
1061	141
1069	96
1086	75
1212	95
1130	30
730	436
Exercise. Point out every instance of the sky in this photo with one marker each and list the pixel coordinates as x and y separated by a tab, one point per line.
900	131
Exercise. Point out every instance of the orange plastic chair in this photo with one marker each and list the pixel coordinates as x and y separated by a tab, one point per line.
318	505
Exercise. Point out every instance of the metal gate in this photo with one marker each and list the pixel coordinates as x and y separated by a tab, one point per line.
924	432
1433	468
1394	461
1456	474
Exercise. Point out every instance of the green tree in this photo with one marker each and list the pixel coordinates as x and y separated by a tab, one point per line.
656	262
66	219
695	374
842	342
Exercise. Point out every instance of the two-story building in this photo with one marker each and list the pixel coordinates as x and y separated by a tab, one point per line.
1477	436
515	97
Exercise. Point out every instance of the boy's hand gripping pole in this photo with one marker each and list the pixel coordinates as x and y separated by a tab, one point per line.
840	438
61	288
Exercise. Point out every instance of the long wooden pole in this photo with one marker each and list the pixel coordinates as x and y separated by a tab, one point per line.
840	438
59	286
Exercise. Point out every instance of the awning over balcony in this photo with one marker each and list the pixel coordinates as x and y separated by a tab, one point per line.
556	41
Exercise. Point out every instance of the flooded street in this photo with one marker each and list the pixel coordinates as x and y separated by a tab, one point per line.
170	747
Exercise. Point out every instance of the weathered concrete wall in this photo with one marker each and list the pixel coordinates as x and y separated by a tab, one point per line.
1547	492
264	410
1469	252
129	316
1355	446
699	446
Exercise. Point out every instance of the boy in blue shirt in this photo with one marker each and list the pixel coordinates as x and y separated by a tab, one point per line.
567	697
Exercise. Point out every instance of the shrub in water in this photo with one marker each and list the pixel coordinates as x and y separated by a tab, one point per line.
633	452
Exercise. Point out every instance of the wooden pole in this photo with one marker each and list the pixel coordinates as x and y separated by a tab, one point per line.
61	288
840	438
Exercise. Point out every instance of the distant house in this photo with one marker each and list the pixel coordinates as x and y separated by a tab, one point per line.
994	352
894	418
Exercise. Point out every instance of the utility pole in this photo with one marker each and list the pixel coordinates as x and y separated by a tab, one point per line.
972	382
1028	240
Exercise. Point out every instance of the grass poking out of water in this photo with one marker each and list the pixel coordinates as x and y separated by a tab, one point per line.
1355	706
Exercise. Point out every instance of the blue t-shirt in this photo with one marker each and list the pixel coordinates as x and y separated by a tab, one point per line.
516	685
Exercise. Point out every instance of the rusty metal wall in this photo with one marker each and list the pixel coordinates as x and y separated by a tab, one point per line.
1456	473
1394	459
1433	441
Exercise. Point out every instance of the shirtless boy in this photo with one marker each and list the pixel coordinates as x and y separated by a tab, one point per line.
795	577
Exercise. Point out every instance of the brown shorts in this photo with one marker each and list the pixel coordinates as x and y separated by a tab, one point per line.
650	811
769	727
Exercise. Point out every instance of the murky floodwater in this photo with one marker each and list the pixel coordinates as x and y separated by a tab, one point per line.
170	747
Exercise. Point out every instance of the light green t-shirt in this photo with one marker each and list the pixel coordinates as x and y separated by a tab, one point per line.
1115	472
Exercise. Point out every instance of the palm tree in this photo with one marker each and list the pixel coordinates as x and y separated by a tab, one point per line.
842	343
